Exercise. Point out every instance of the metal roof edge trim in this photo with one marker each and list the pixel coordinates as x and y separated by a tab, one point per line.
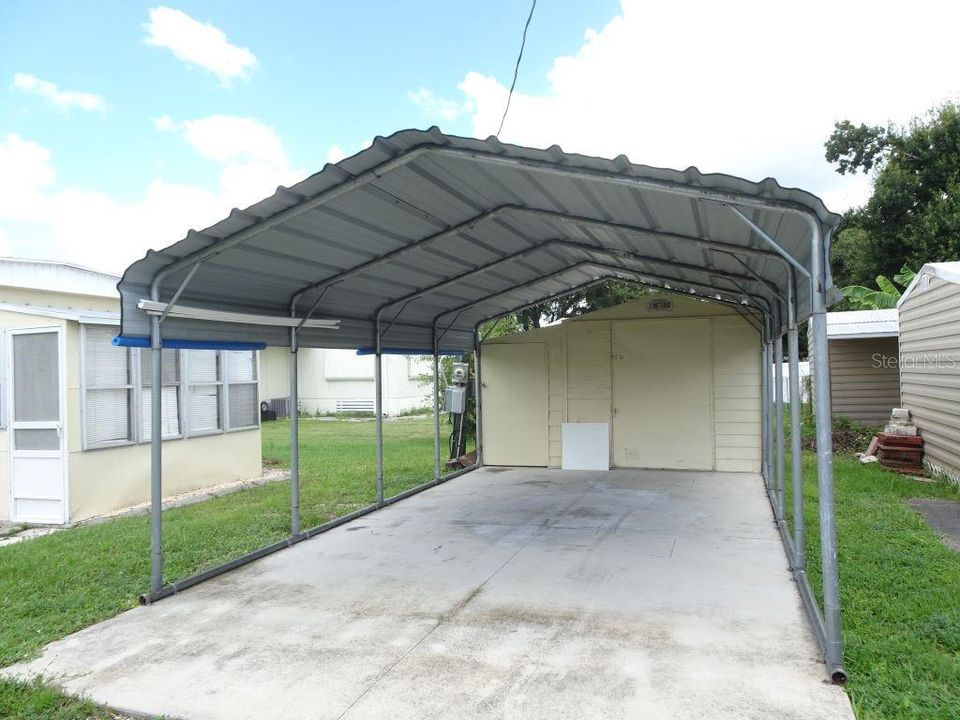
935	269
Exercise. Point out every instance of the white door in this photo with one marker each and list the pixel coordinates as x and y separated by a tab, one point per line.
35	382
663	394
514	397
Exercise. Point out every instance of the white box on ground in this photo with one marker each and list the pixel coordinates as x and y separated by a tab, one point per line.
586	446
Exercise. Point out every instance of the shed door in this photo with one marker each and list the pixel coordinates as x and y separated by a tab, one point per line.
37	460
514	412
663	394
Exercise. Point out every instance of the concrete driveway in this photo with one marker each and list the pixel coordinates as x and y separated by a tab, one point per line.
505	593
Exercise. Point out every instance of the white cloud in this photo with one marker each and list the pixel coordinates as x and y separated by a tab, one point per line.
750	88
62	100
448	110
198	43
228	138
91	228
335	154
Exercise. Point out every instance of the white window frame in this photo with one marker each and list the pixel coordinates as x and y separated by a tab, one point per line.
133	407
225	374
3	379
141	437
221	406
137	386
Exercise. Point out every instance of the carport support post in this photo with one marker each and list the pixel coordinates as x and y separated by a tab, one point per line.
796	459
156	458
779	470
765	414
436	407
294	437
378	407
828	529
478	412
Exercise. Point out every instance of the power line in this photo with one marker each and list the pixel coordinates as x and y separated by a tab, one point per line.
516	69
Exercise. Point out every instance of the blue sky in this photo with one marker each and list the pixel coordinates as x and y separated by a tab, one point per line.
169	130
328	73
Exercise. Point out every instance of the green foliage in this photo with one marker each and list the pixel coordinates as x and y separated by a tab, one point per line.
857	148
864	298
599	296
913	215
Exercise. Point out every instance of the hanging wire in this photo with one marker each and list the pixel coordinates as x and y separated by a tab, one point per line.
516	69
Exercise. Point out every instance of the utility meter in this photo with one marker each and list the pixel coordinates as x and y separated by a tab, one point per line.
460	371
455	396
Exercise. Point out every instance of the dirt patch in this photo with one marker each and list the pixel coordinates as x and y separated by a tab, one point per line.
941	515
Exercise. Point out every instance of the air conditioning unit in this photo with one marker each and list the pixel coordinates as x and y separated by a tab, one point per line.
281	406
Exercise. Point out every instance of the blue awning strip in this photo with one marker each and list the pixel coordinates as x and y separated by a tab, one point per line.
174	344
406	351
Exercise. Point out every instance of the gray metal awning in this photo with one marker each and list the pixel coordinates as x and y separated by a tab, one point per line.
424	228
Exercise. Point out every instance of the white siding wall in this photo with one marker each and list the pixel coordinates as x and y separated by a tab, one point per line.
320	390
930	371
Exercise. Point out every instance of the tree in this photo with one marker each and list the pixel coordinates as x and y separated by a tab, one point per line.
913	214
599	296
886	297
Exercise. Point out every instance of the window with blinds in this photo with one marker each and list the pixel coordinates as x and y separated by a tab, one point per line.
243	401
169	394
202	391
109	389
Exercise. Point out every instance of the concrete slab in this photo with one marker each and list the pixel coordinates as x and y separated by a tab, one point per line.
518	593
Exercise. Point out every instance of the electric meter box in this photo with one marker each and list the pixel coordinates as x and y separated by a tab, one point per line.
455	400
460	372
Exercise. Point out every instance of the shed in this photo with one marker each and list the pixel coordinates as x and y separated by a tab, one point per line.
673	380
929	314
864	377
75	409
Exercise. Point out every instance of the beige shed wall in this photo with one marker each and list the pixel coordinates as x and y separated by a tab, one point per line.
930	371
864	379
579	362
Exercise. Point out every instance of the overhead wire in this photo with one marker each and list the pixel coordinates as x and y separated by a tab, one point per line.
516	68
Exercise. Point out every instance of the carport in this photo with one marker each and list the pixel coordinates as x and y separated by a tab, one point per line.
413	243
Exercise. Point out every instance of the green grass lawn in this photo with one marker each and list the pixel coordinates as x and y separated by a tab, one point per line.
900	586
899	589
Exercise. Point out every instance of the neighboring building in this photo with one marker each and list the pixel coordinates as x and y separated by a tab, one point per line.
335	381
929	313
864	378
75	409
665	381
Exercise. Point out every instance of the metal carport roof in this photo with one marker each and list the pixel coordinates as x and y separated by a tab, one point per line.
413	242
424	227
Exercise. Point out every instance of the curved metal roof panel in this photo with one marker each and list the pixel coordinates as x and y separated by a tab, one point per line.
424	228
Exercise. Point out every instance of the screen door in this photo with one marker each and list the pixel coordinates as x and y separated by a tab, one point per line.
37	462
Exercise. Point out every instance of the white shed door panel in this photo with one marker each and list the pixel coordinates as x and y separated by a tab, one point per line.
663	394
514	422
